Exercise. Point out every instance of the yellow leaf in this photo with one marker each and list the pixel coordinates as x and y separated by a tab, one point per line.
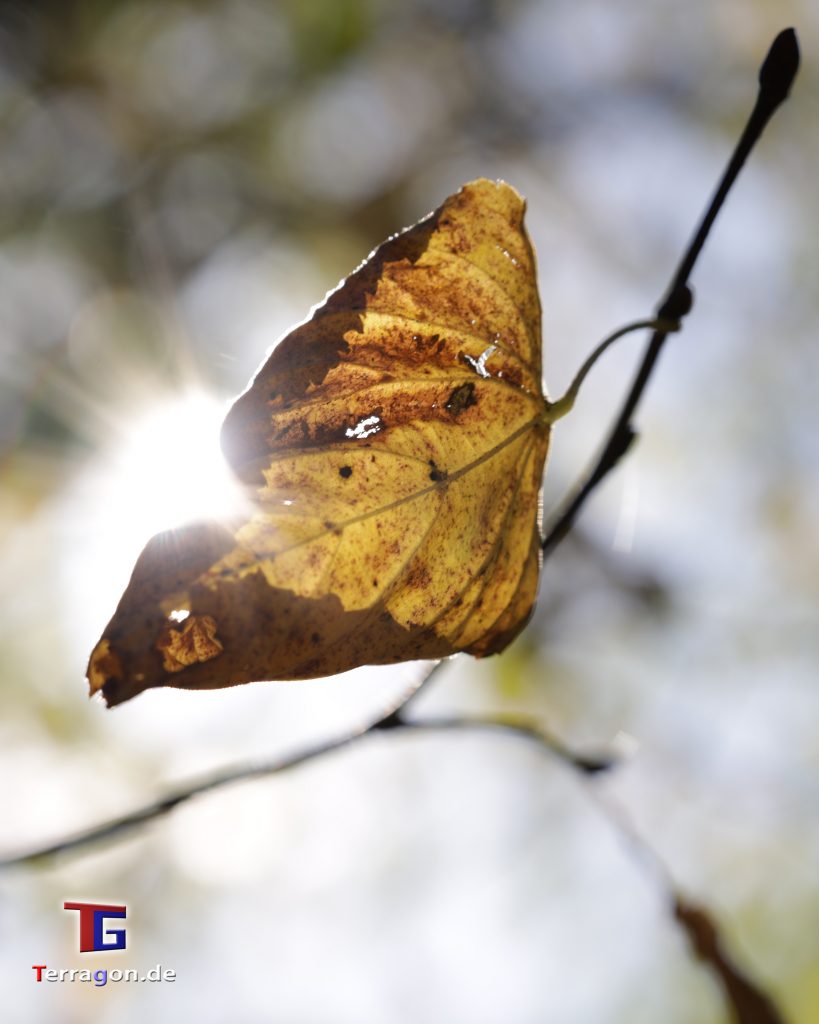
393	446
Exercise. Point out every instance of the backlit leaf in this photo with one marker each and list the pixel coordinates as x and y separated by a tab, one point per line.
392	447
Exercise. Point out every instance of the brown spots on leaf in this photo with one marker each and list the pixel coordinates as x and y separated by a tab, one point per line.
419	576
196	641
461	398
512	373
271	633
380	365
435	474
427	345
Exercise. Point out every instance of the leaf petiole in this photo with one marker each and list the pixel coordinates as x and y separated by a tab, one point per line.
562	406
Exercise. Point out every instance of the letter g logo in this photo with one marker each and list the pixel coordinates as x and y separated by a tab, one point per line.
92	937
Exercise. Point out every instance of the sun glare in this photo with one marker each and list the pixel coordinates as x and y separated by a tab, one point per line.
172	467
161	469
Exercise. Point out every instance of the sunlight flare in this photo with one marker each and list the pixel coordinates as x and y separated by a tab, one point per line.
171	459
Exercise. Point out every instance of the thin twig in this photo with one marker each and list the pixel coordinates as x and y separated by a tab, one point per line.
749	1004
584	763
747	1001
392	719
775	79
393	715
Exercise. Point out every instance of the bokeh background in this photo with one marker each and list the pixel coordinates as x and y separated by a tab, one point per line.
179	184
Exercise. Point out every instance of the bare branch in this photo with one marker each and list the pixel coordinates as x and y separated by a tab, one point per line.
584	763
391	719
749	1004
775	79
746	1000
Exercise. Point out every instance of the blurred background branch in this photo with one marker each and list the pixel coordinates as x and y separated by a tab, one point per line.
392	719
748	1003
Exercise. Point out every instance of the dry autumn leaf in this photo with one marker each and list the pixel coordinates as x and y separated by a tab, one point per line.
393	447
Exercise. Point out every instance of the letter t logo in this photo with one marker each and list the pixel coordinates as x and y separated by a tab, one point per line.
92	916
